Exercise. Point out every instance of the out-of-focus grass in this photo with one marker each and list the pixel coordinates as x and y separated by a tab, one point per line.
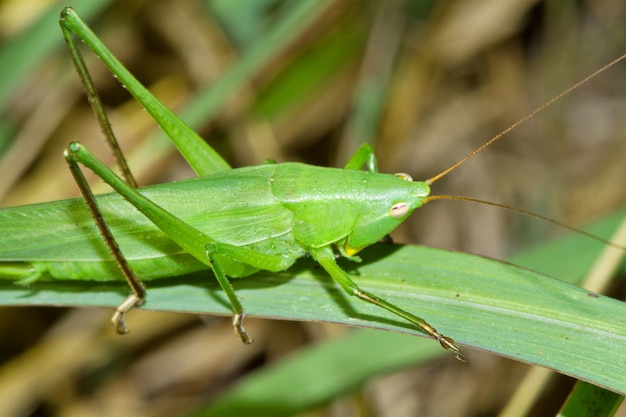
426	81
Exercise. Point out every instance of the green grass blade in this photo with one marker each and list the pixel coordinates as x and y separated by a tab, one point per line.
587	400
23	53
210	99
308	72
294	20
243	21
482	303
332	368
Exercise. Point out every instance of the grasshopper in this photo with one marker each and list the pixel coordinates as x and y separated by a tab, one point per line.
233	222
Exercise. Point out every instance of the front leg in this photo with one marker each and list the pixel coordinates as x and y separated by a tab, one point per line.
326	259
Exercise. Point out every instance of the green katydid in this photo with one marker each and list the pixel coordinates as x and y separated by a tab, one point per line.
273	214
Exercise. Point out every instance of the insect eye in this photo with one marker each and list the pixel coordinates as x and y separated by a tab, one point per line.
399	210
403	176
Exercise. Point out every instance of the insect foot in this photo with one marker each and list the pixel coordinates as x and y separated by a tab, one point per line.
449	344
240	330
446	342
118	321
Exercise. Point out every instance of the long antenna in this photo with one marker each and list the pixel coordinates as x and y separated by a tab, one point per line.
524	119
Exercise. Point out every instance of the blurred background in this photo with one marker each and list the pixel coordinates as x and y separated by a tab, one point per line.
425	82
